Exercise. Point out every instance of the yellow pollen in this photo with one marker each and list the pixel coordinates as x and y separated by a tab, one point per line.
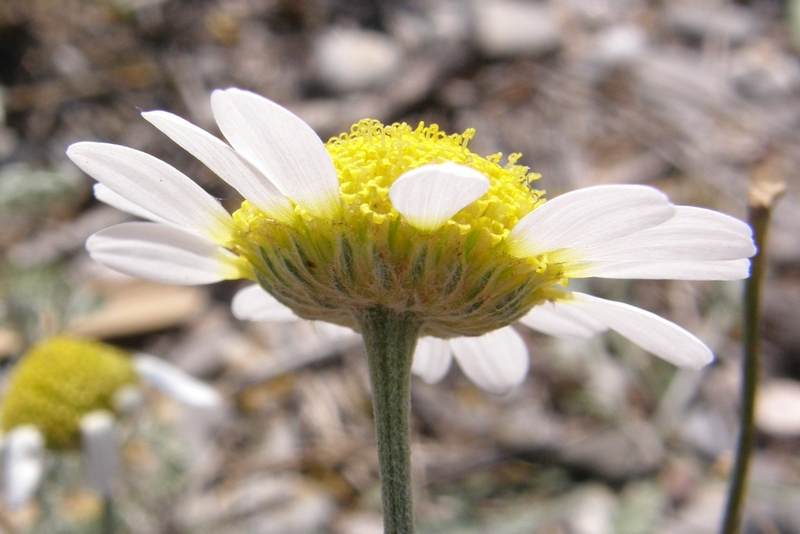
59	381
372	156
458	279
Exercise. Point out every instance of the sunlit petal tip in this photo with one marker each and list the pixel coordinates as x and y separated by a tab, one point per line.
589	216
651	332
225	163
430	195
162	254
496	362
174	383
697	244
151	184
280	145
706	218
254	304
665	270
432	359
23	465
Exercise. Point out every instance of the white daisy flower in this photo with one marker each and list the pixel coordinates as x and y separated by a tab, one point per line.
408	220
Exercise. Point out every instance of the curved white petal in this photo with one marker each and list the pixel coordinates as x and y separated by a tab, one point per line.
283	147
107	196
100	449
712	220
225	162
153	185
162	253
432	359
173	382
23	465
560	320
651	332
587	216
496	362
430	195
663	270
254	304
693	234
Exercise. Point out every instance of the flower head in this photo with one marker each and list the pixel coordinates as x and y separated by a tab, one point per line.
405	219
64	394
61	380
420	227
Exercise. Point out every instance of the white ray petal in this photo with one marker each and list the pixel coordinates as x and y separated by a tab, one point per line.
225	162
162	253
23	465
693	234
254	304
663	270
100	449
497	362
283	147
559	320
430	195
651	332
432	359
587	216
153	185
712	220
173	382
107	196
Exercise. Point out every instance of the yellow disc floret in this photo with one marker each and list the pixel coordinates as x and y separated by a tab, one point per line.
372	156
59	381
457	279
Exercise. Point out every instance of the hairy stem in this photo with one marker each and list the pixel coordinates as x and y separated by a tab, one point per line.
390	338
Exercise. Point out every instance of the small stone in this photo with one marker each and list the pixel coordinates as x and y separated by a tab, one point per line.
592	511
630	451
703	513
70	61
708	432
450	20
359	523
348	59
778	408
507	28
619	45
763	70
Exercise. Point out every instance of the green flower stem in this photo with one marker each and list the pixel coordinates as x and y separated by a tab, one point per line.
762	198
107	525
390	338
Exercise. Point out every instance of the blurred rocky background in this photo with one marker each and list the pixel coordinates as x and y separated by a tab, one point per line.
693	97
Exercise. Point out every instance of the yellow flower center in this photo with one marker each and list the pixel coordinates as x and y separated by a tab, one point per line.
457	279
59	381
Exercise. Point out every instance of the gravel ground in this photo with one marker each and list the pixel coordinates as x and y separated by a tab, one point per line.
695	98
